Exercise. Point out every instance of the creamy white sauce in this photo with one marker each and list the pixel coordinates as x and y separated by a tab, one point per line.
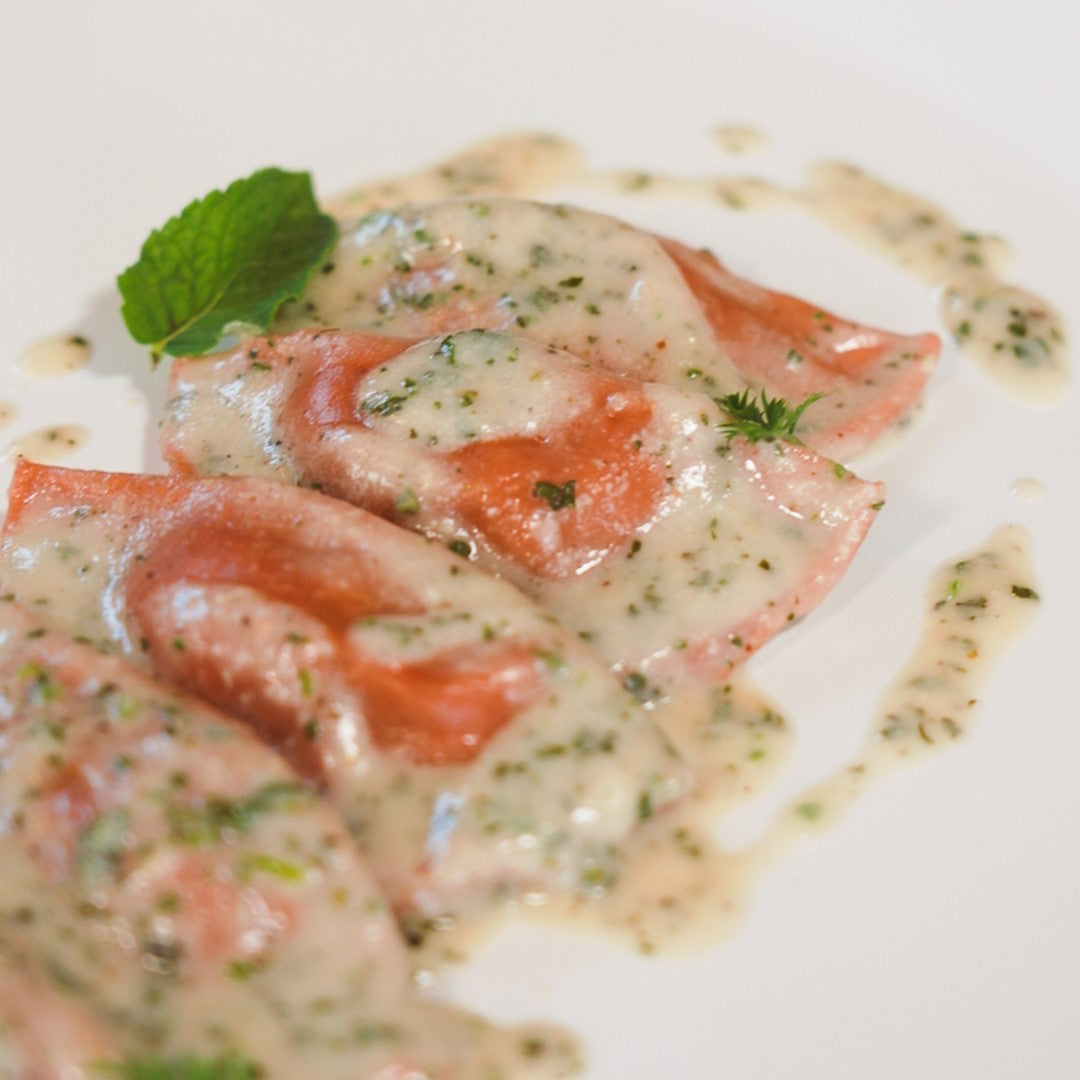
576	280
1015	336
8	411
682	890
181	888
686	890
1028	489
60	354
677	889
730	192
518	164
523	165
48	445
976	605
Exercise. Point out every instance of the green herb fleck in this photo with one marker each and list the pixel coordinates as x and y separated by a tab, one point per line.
205	823
557	496
101	848
257	863
241	970
43	687
307	682
638	687
382	403
553	661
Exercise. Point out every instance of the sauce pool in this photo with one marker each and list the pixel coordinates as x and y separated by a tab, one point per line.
976	605
48	445
59	354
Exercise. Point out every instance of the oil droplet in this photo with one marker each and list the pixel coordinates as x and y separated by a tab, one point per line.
59	354
1028	490
8	409
49	444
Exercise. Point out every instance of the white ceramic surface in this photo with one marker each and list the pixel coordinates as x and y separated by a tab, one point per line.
932	934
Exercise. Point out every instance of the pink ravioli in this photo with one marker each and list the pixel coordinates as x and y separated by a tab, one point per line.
391	673
673	547
631	302
869	378
284	556
182	886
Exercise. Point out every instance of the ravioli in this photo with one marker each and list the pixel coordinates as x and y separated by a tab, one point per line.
473	745
190	895
631	302
629	509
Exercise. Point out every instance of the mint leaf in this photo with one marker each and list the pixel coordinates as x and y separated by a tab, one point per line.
229	259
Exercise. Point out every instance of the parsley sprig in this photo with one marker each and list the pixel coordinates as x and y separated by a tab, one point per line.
762	418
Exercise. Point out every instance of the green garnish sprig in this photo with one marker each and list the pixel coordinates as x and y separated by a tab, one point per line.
226	263
763	418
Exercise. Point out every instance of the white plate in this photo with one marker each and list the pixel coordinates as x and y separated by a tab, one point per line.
933	933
